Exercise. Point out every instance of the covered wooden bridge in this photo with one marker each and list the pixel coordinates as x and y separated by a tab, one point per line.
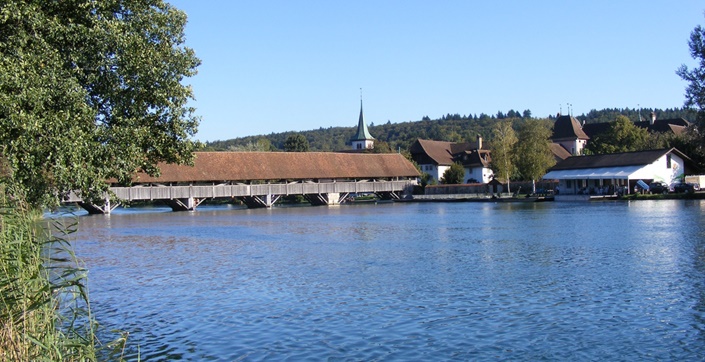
259	179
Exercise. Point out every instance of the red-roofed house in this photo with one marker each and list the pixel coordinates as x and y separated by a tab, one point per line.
435	157
568	133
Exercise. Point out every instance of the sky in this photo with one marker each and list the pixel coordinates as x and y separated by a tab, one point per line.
276	66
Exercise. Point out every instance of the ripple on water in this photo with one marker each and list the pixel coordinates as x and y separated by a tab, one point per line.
404	282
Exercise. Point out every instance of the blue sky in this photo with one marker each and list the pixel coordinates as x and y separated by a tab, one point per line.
276	66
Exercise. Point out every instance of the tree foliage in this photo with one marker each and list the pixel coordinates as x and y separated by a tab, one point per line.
381	147
689	142
622	136
296	143
91	90
607	115
533	150
261	145
504	141
451	127
454	174
695	91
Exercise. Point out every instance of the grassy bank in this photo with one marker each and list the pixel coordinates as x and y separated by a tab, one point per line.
44	310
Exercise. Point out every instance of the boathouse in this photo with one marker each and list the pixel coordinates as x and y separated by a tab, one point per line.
618	172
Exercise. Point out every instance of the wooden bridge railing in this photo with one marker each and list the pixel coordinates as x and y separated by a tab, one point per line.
176	192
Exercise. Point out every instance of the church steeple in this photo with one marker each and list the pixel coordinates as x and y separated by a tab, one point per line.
362	138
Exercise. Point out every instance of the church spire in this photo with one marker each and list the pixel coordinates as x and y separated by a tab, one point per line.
362	138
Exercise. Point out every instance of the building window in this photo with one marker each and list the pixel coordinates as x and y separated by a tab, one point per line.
668	161
359	146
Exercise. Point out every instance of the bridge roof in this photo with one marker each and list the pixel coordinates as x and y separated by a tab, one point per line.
247	166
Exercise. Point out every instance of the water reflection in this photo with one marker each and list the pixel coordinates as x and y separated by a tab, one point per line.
404	282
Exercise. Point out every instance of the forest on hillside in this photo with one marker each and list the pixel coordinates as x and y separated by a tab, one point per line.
450	127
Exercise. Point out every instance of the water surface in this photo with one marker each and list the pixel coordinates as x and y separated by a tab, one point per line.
425	281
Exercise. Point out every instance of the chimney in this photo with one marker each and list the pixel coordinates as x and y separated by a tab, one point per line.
479	142
653	118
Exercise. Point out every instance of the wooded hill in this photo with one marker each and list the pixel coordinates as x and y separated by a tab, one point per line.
451	127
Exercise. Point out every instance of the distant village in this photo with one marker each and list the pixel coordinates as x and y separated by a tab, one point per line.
574	175
428	170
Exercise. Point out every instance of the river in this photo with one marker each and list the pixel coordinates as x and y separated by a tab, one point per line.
389	282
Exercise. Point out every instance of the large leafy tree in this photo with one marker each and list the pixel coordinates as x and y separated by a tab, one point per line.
533	150
504	141
622	136
695	91
91	91
688	142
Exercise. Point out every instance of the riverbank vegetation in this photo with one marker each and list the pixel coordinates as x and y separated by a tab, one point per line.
44	310
89	91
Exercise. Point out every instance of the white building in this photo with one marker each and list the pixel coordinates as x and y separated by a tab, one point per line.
435	157
568	133
618	172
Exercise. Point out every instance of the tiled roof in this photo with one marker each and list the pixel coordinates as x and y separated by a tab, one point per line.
474	158
594	129
248	166
438	152
559	152
614	159
568	127
675	125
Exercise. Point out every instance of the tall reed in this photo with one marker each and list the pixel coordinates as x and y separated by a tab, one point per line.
44	308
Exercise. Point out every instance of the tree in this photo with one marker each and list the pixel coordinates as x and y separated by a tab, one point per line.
687	142
91	90
533	151
381	147
503	143
454	175
622	136
296	143
426	179
695	91
261	145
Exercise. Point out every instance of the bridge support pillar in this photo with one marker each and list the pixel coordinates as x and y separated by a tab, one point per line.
331	198
99	209
388	195
185	204
258	202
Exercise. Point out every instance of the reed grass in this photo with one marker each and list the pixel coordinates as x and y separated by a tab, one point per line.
44	305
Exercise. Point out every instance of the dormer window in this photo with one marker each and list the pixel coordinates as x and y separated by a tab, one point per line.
668	161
